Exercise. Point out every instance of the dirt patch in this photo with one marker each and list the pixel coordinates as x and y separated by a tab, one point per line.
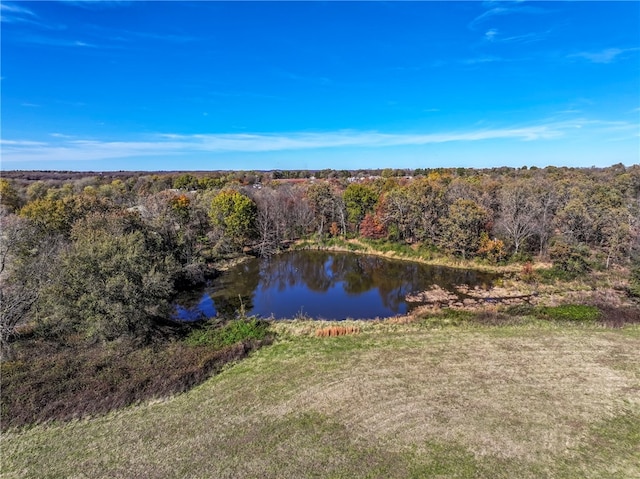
435	295
470	298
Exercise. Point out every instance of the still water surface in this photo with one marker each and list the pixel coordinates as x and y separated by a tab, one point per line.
321	285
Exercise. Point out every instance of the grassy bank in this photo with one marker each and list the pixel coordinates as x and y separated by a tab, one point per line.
416	252
532	399
50	380
550	286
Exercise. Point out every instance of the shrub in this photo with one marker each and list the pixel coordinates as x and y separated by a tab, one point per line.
570	258
555	274
111	282
570	312
528	274
233	332
491	249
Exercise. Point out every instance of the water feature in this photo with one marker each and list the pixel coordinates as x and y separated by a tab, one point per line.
322	285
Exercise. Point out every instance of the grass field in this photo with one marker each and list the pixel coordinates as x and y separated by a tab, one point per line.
393	400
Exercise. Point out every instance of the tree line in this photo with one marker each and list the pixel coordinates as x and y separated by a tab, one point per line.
103	258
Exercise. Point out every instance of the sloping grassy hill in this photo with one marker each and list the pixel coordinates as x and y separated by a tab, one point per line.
392	401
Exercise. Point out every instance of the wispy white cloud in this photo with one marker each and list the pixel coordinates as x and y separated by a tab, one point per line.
503	10
105	34
65	148
12	13
490	34
482	59
21	143
569	111
167	37
12	8
96	4
52	41
493	35
608	55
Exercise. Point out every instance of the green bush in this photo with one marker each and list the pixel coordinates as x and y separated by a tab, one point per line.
233	332
113	281
570	258
570	312
555	273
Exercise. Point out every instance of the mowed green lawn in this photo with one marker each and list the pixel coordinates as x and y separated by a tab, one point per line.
391	401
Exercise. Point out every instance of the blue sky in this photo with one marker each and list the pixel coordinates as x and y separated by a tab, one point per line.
308	85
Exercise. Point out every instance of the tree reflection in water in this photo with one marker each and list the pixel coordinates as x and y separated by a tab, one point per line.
326	285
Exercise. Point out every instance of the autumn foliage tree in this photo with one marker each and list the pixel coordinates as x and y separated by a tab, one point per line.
359	200
234	214
9	197
371	227
462	227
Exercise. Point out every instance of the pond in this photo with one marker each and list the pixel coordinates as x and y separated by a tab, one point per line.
323	285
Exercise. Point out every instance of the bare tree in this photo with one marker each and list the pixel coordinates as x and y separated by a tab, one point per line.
270	220
26	264
328	207
298	212
547	199
518	213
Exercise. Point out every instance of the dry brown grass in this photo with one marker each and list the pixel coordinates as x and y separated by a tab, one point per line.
506	397
336	331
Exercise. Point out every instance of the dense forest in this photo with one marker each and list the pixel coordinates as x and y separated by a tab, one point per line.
102	255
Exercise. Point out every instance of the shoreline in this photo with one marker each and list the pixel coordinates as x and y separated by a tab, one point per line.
363	248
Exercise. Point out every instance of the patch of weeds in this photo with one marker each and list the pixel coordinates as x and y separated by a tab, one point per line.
235	331
355	247
610	316
79	382
495	317
555	274
444	460
523	309
386	246
528	274
447	317
569	312
311	445
619	317
302	245
611	450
